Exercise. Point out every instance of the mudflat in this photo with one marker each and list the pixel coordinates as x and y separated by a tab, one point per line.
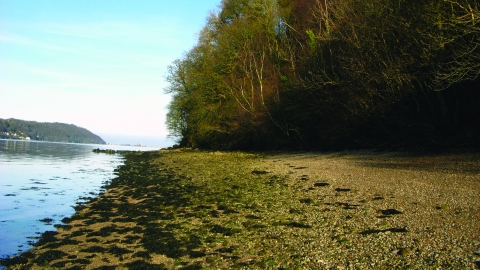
211	210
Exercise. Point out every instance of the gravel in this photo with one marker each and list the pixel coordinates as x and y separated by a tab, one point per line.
213	210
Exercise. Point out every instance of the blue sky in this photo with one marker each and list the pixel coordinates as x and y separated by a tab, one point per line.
97	64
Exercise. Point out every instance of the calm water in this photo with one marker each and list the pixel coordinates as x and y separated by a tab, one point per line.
41	181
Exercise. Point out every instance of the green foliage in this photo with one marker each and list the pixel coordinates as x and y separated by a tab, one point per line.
311	40
52	132
326	74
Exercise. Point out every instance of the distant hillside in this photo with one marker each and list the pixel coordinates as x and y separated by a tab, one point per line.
52	132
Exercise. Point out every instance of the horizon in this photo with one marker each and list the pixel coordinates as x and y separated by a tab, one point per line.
118	139
122	139
96	65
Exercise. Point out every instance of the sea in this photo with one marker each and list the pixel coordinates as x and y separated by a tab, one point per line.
42	182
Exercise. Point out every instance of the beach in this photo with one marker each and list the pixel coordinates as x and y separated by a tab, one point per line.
190	209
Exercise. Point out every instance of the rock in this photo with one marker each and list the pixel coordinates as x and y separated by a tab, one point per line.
299	225
404	251
321	184
389	212
295	211
259	172
441	207
306	200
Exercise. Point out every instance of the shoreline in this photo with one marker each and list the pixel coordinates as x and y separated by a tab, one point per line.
194	210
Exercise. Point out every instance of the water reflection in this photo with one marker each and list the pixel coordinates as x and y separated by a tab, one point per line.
14	149
39	184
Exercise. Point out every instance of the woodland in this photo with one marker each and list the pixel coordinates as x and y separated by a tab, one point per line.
51	132
330	74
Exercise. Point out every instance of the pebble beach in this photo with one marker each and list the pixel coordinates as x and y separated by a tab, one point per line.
188	209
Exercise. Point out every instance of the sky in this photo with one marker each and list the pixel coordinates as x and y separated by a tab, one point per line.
97	64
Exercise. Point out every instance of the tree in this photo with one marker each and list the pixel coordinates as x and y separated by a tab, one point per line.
328	73
456	36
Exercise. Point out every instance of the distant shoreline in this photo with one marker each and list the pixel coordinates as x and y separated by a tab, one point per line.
36	141
115	147
46	131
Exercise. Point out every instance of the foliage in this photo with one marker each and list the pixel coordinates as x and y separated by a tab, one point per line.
52	132
329	74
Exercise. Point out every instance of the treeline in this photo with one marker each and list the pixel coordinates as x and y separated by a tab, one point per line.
52	132
329	74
